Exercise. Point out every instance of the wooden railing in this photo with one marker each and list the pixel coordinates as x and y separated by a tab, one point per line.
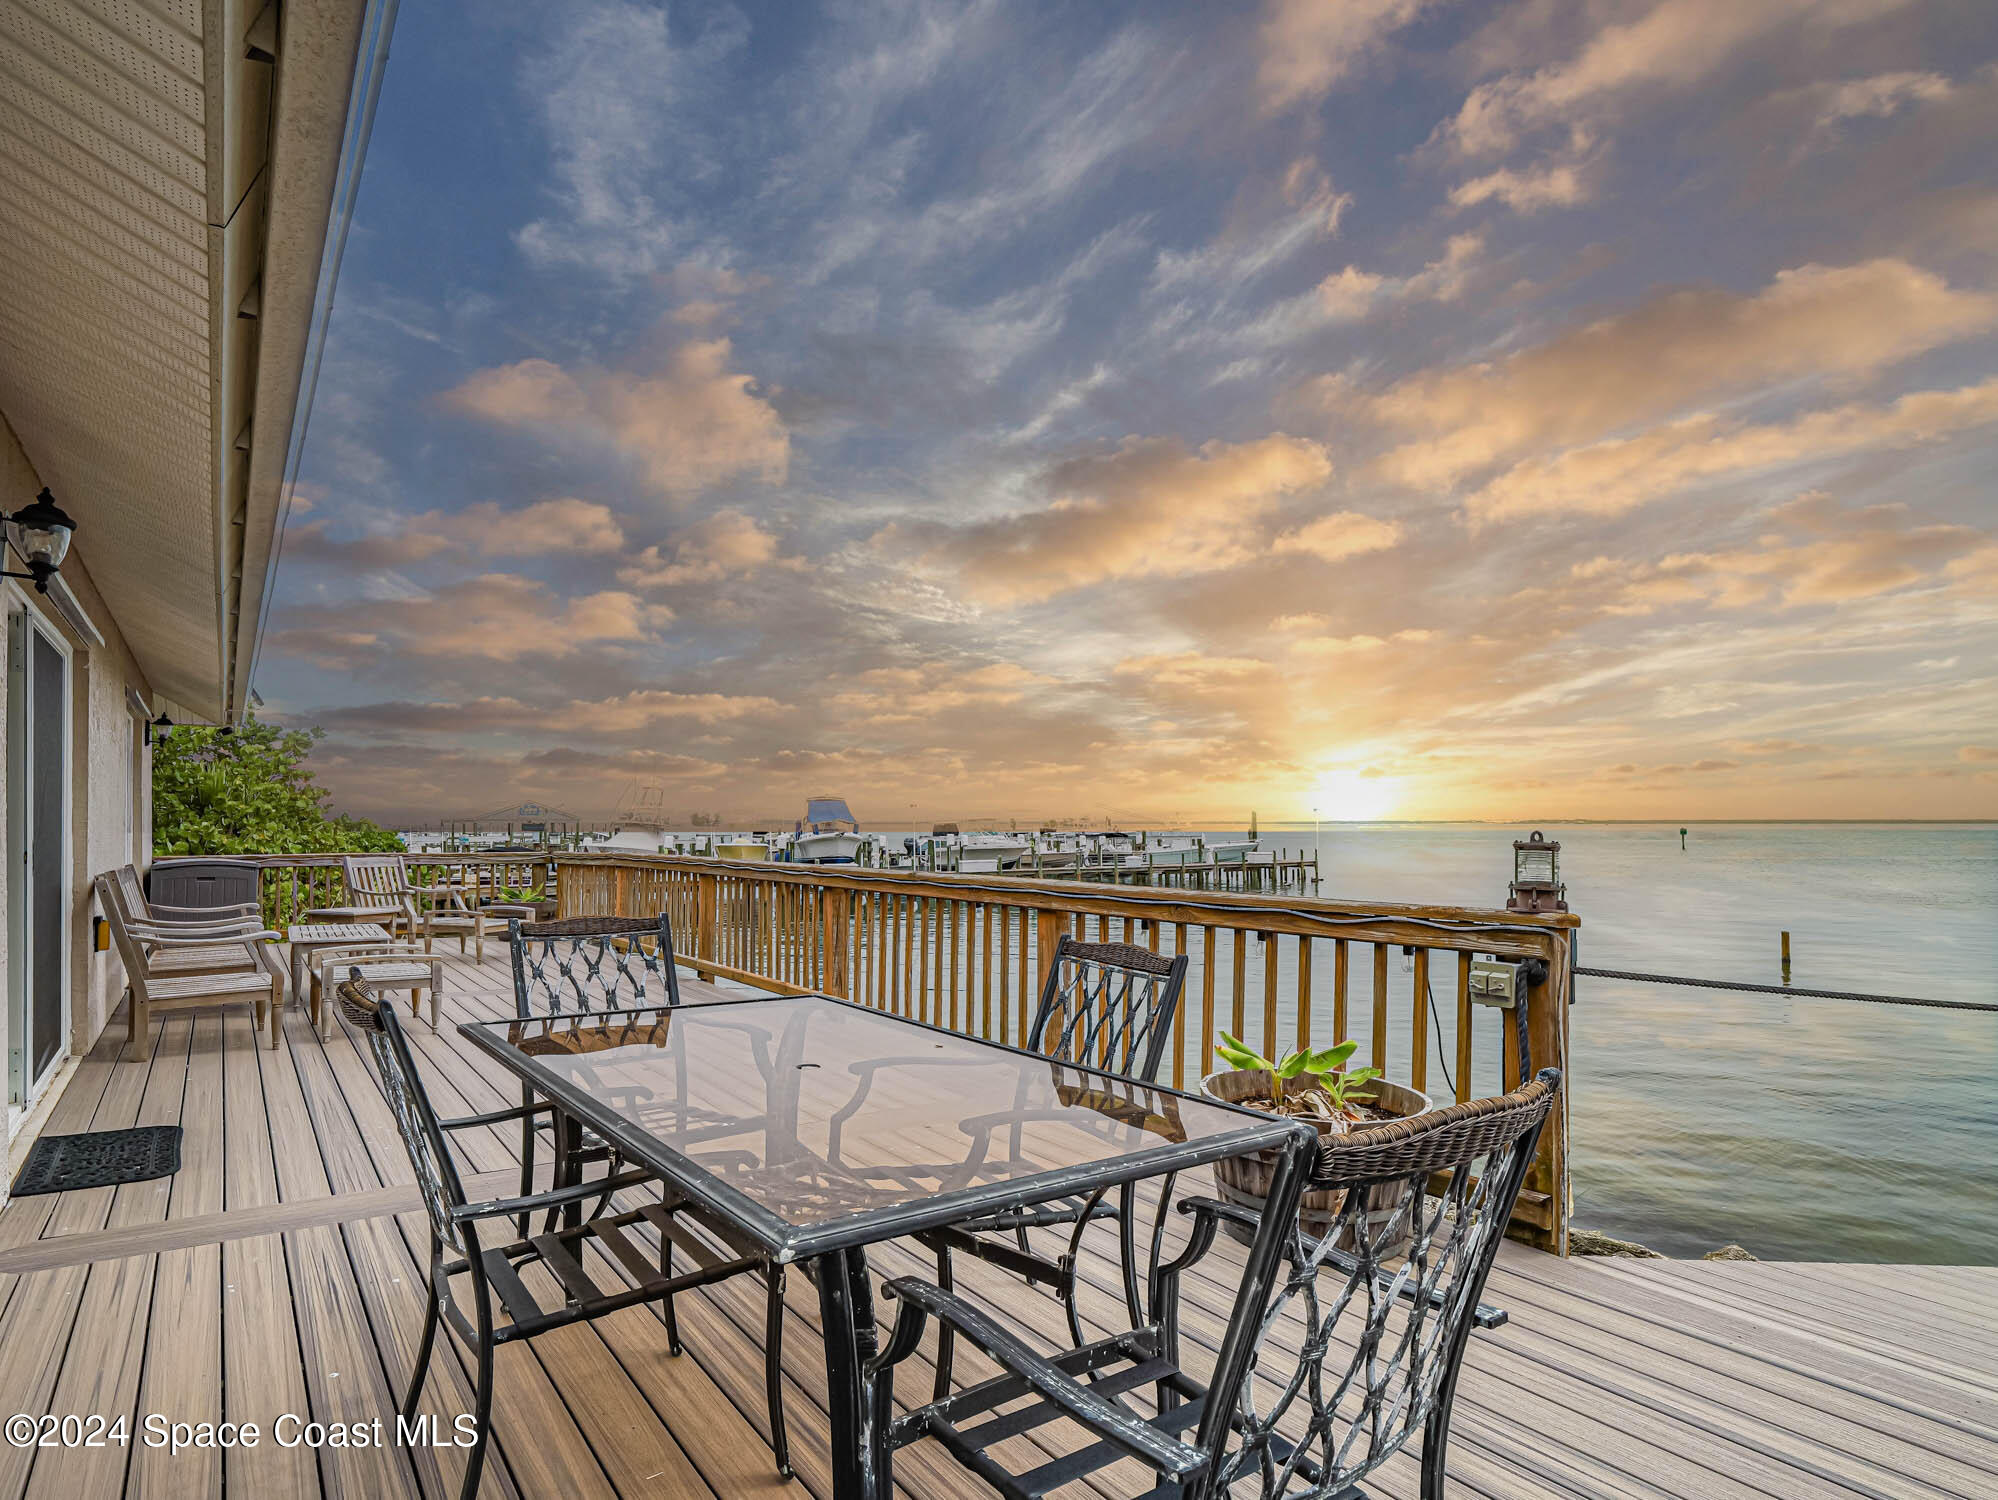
294	883
1276	970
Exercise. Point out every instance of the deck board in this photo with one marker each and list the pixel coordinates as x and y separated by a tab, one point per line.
279	1271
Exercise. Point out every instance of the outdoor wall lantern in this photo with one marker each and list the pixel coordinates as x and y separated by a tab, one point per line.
40	532
1536	875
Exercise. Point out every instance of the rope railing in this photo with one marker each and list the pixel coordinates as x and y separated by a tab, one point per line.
1985	1006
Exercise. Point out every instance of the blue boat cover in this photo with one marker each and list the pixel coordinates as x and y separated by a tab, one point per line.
827	810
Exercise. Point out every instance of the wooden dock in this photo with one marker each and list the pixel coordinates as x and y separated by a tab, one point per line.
277	1273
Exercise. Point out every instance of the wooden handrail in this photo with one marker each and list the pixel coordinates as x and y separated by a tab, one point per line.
966	952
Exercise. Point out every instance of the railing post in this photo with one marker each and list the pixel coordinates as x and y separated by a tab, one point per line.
835	918
1048	927
1547	1047
704	922
622	892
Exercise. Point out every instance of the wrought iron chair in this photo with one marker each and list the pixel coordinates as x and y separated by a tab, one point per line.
583	966
593	1268
1326	1370
1108	1006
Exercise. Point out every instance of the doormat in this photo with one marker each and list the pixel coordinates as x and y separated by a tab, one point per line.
99	1158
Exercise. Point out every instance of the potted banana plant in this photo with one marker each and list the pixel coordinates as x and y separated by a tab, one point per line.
1318	1088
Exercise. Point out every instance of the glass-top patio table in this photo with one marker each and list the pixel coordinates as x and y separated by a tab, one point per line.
817	1127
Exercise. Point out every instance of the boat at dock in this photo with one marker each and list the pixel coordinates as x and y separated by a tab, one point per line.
826	835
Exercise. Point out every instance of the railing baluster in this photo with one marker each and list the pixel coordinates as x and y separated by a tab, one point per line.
1463	1026
1418	1054
1240	1014
1206	998
1304	992
1341	968
1272	1047
1380	1005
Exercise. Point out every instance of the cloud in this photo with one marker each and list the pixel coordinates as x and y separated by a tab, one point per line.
1676	348
1524	190
499	617
620	102
1977	753
1306	46
1674	45
723	545
1352	294
624	713
561	525
485	528
1612	477
1877	97
694	425
1342	534
1828	556
907	695
1345	645
1151	508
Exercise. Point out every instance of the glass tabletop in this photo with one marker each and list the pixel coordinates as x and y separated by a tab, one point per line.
819	1124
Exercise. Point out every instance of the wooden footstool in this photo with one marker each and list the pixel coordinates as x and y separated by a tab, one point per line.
383	967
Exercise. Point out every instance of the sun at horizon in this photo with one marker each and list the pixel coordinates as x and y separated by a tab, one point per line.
1354	797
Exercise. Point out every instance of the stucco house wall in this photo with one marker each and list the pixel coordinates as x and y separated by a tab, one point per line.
110	781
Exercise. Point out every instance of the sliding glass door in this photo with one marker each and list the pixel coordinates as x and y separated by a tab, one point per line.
38	677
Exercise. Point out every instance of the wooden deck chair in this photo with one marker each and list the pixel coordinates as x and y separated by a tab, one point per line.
425	911
154	988
178	948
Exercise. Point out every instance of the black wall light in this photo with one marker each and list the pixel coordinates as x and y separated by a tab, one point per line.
40	531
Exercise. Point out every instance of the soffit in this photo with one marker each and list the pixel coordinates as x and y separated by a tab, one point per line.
134	200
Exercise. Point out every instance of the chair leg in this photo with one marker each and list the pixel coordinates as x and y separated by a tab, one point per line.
1435	1444
666	1313
946	1335
527	1134
277	1004
1127	1248
773	1367
425	1344
139	1025
482	1412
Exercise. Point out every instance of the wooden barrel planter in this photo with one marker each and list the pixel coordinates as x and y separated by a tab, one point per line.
1245	1180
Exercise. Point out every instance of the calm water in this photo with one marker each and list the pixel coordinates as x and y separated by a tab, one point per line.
1799	1128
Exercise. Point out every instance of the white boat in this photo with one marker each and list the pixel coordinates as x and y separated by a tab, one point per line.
1231	851
827	834
637	838
990	851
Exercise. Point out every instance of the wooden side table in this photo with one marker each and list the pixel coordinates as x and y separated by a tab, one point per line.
305	937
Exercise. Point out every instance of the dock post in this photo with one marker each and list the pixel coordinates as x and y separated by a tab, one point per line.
1786	958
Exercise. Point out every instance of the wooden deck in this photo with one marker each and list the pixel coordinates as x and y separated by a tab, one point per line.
277	1273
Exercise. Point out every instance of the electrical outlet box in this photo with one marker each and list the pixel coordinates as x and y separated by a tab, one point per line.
1495	982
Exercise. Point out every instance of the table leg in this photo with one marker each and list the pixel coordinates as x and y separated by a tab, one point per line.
856	1401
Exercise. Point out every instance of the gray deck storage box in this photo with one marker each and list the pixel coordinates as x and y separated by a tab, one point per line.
203	882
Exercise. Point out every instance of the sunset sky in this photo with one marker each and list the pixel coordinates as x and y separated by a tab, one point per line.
1558	409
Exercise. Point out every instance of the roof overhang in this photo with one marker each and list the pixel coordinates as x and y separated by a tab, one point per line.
168	173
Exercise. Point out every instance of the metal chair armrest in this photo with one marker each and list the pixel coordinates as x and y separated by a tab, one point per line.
1075	1400
534	1203
496	1116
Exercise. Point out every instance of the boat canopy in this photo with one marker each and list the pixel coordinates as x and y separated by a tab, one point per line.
820	810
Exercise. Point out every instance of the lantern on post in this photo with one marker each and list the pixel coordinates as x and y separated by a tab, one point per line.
1536	876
